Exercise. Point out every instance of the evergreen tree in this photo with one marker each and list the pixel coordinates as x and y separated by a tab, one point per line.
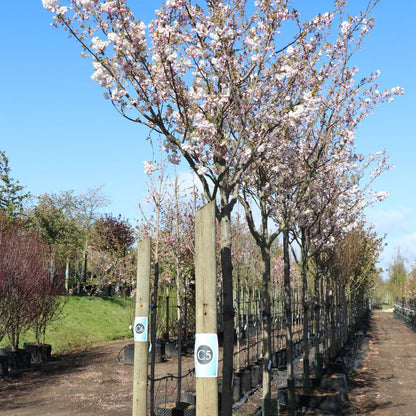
11	192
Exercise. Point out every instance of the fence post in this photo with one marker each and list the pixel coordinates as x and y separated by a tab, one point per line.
206	341
141	326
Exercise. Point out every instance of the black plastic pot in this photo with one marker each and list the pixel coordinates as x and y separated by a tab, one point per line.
189	396
160	351
171	349
282	359
327	401
274	360
4	365
245	381
256	375
129	353
39	353
236	387
19	359
175	409
336	382
270	407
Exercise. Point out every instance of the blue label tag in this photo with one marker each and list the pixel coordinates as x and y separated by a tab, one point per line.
206	355
140	328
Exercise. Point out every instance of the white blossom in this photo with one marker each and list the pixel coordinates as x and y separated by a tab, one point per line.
202	170
345	27
49	4
149	168
397	90
98	45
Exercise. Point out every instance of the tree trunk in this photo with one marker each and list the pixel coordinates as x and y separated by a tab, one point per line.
153	316
238	323
265	252
318	334
305	306
327	321
291	399
178	294
228	318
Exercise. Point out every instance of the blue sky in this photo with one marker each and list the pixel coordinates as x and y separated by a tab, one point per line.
60	134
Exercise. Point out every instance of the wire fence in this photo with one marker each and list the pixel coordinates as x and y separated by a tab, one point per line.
405	310
329	323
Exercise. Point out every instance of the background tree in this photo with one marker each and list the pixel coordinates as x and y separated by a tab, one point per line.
112	234
353	265
89	205
65	221
111	257
410	287
397	275
12	197
55	216
381	293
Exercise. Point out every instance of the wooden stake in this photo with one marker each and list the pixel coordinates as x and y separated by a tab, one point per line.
141	344
206	344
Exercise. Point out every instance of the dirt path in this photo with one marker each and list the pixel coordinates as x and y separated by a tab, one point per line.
384	384
88	383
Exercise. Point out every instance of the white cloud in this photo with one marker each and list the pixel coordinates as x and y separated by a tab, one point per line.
391	220
406	244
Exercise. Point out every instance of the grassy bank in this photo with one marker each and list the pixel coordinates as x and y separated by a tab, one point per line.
87	320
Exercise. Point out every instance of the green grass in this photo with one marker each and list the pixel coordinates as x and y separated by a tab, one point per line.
87	320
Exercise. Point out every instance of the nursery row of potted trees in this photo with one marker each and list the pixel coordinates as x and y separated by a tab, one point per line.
29	292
